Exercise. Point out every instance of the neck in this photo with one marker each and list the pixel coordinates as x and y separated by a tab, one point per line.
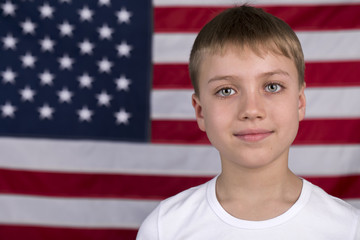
268	177
255	182
240	189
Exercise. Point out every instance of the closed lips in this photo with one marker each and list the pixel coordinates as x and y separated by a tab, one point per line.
253	134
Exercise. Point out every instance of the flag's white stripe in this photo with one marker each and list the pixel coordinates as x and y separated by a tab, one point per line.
330	45
86	213
317	46
111	157
325	160
172	104
107	157
72	212
333	102
252	2
321	103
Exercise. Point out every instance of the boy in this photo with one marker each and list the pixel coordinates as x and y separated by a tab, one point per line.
247	69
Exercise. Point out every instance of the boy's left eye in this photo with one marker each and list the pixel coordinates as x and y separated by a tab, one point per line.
273	87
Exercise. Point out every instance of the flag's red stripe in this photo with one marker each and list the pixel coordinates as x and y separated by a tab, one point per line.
16	232
177	132
171	76
316	131
326	74
81	185
300	18
329	131
345	187
317	74
94	185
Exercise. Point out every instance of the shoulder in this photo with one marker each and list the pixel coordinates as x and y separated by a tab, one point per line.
176	208
149	228
330	203
185	199
333	211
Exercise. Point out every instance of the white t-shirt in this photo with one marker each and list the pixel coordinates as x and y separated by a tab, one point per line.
196	214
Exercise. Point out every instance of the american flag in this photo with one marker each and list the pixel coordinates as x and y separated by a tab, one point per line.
96	120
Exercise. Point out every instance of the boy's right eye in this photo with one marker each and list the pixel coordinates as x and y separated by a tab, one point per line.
225	92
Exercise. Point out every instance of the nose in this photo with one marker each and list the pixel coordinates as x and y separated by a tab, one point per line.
251	107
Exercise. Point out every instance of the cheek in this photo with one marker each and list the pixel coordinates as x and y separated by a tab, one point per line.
287	106
213	120
219	114
287	116
217	120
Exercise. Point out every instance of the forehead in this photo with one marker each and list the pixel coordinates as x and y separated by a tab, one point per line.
244	62
260	49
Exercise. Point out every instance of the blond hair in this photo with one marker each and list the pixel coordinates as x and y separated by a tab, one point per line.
246	26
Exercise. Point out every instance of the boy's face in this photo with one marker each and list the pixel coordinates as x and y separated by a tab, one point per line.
249	106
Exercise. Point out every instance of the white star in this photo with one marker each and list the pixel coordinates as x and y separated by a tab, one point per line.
9	42
46	11
105	65
123	83
122	117
66	29
8	110
28	27
8	76
123	16
47	44
27	94
104	2
86	47
105	32
46	111
65	1
85	81
8	8
124	49
85	114
104	98
46	78
66	62
65	95
28	60
86	14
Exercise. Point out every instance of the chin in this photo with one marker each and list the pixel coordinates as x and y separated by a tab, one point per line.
254	164
246	162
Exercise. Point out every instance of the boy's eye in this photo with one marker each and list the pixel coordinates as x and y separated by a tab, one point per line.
273	87
225	92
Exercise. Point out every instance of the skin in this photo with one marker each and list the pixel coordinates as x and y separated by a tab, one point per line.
250	107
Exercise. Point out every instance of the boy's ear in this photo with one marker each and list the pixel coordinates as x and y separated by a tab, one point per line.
198	111
302	103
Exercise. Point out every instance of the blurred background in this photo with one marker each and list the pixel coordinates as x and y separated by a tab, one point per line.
96	122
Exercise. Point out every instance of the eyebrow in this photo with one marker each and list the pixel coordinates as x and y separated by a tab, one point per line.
225	77
261	75
276	72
